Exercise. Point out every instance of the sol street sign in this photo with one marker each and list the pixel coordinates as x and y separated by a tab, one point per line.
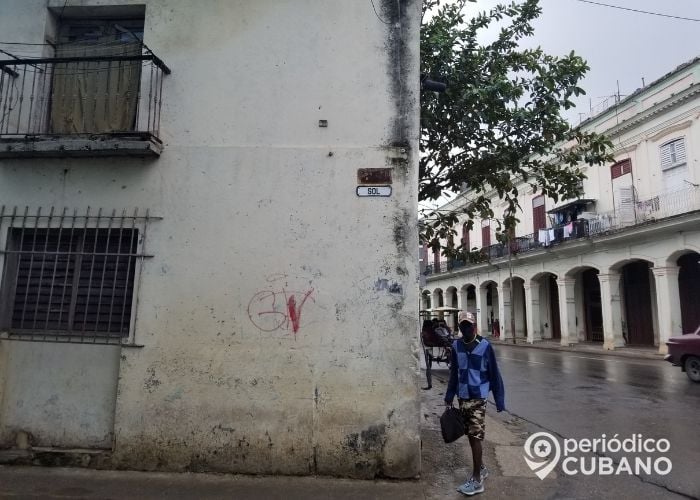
374	191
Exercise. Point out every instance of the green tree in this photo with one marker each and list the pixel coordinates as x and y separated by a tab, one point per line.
499	123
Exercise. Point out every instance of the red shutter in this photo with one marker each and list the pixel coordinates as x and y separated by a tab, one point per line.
539	216
465	237
486	235
621	168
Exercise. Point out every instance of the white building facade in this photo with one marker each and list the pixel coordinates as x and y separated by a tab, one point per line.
617	267
180	232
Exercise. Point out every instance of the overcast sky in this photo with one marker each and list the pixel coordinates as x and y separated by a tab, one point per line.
618	45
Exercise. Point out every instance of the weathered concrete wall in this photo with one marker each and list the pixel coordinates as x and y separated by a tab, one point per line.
3	376
63	395
259	206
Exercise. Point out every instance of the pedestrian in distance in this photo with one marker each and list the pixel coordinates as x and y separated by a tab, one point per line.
444	333
473	374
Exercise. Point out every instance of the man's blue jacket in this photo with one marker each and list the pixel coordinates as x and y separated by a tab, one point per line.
473	374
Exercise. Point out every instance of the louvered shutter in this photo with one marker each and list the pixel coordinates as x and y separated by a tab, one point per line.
625	197
486	233
673	153
436	257
465	236
539	216
621	168
679	147
625	203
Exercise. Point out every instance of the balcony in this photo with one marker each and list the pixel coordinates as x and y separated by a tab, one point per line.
101	105
594	225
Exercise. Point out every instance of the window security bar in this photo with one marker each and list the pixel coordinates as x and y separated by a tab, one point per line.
71	276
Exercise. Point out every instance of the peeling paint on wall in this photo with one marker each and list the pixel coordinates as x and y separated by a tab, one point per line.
384	284
242	370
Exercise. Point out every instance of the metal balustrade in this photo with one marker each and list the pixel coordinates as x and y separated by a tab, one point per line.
649	210
87	95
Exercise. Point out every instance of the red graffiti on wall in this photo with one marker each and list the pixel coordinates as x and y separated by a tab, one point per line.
271	310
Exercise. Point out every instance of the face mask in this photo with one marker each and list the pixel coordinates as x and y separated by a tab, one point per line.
467	329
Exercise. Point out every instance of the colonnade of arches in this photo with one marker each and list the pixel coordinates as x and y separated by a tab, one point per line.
632	302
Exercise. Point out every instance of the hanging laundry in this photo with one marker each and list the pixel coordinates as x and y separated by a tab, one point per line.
568	229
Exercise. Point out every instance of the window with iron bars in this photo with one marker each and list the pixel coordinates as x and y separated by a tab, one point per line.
71	283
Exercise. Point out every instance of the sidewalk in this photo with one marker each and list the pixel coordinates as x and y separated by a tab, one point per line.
444	467
55	483
595	348
447	465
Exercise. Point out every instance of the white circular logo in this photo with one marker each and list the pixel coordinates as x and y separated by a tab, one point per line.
542	453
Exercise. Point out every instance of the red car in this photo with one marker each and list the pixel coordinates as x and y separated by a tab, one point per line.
684	351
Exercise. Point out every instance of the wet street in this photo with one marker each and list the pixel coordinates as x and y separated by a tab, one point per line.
583	395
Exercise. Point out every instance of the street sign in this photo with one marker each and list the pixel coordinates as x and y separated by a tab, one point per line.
381	191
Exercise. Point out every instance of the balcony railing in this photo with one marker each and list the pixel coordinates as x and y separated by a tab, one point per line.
87	96
661	206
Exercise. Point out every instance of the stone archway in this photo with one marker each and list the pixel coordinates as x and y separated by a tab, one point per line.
581	305
438	299
425	300
638	297
517	308
488	318
451	300
592	306
544	318
689	290
468	295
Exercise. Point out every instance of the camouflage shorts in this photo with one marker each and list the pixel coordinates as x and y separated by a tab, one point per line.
474	414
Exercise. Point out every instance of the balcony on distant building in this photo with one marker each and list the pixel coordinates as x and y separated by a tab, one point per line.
591	225
101	103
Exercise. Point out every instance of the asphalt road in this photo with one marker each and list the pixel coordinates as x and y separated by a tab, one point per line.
582	395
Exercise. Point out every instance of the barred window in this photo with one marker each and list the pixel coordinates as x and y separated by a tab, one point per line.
70	282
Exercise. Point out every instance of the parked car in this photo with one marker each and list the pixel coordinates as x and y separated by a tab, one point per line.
684	351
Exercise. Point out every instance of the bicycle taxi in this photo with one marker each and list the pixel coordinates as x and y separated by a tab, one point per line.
436	348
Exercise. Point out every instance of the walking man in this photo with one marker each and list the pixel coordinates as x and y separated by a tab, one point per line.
473	373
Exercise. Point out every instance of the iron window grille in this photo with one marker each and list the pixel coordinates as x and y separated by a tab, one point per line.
71	277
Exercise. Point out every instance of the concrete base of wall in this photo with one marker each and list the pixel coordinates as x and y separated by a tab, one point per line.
93	459
144	145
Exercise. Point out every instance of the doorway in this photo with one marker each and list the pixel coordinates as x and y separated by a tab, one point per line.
592	305
638	308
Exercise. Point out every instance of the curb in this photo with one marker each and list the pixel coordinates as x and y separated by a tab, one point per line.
601	352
